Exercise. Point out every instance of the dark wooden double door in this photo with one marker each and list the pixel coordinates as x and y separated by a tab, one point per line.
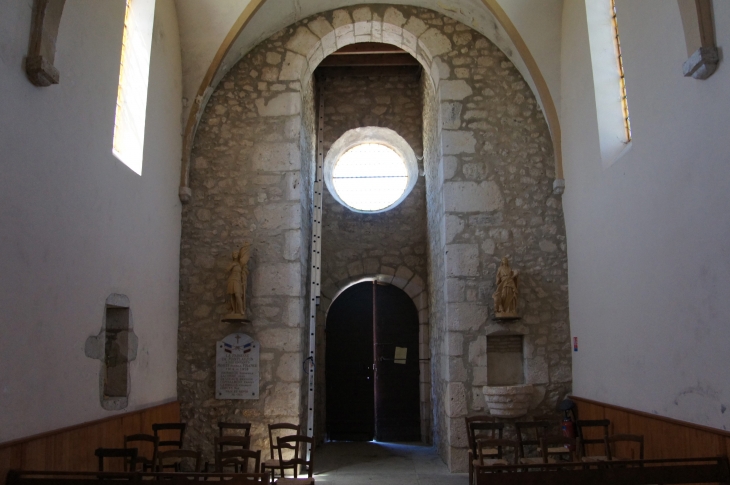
370	395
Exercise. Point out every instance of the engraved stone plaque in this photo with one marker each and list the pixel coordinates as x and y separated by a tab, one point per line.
237	367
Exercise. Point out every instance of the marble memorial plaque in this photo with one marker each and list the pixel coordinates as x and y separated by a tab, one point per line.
237	367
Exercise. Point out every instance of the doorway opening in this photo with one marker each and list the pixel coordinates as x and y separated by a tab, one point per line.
372	365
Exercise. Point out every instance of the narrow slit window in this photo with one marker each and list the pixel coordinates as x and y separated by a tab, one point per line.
129	121
624	99
609	82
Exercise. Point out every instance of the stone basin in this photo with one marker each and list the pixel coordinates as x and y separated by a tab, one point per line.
508	401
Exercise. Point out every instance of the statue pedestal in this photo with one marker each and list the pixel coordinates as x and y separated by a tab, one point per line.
506	316
508	401
235	318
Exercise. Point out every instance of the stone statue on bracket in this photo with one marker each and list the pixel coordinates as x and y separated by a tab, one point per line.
505	298
237	282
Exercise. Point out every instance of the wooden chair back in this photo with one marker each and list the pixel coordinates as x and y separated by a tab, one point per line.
141	441
588	436
238	459
529	433
570	445
129	456
25	477
229	429
485	427
503	450
554	423
171	458
275	429
468	420
236	442
176	429
298	443
624	441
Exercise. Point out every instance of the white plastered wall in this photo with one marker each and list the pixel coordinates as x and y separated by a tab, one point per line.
649	236
77	225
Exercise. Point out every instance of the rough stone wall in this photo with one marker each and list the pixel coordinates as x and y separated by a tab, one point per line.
308	147
391	243
497	176
489	170
353	243
252	156
433	167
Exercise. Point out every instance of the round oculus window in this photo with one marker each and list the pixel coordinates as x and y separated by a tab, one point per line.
370	169
370	177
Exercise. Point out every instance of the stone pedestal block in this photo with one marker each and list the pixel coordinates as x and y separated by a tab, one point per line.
508	401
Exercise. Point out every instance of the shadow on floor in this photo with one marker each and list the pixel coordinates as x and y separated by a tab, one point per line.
361	463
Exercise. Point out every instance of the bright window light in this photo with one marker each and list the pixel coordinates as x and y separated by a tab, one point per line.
129	122
622	84
609	83
370	177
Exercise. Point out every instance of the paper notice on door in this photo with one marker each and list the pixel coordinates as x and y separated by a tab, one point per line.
400	355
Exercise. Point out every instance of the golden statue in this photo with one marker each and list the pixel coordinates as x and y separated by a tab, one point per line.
237	282
505	298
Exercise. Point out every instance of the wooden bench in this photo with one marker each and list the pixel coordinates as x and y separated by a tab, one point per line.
16	477
631	472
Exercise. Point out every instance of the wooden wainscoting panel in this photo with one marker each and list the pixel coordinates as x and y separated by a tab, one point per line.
663	437
72	449
10	458
591	411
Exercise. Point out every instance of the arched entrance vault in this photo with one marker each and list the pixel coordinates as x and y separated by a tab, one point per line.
252	178
414	286
319	38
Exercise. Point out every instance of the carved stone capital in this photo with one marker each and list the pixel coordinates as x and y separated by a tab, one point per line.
185	194
558	186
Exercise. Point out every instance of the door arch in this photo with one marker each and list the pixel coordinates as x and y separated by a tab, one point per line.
372	388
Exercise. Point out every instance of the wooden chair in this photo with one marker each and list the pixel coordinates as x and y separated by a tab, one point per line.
278	429
498	459
529	434
629	439
238	459
148	464
229	443
569	446
583	431
173	458
299	444
236	442
224	428
128	454
554	428
483	427
177	429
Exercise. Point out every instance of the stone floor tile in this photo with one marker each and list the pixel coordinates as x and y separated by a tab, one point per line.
369	463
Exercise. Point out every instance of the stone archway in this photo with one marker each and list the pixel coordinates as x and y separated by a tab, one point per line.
509	39
486	152
414	286
312	42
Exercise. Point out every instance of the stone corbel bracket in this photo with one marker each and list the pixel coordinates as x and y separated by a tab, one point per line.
558	186
699	35
42	48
